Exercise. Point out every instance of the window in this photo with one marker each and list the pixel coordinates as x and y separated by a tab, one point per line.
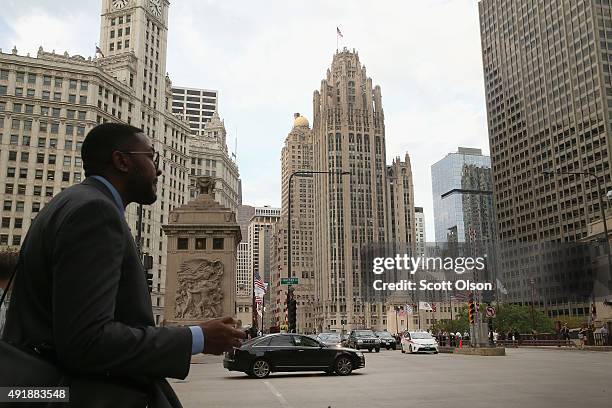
18	91
305	341
25	156
72	84
65	176
18	222
83	100
44	110
82	115
58	81
112	47
77	177
40	158
10	172
70	113
54	128
42	127
67	160
17	107
72	98
46	95
38	175
55	112
12	156
6	222
52	159
31	78
3	239
30	93
49	191
200	243
84	85
19	206
37	190
4	74
217	243
15	123
57	96
8	205
29	109
16	240
46	80
20	76
281	341
50	175
35	207
68	145
23	173
182	243
25	141
126	44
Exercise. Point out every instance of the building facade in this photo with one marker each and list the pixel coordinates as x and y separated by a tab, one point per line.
421	236
260	255
400	203
549	108
296	155
349	135
463	197
196	106
210	157
48	103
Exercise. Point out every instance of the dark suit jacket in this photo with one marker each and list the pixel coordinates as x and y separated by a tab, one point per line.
80	287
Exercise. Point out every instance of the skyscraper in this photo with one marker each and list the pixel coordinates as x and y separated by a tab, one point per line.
349	135
196	106
549	108
297	154
400	197
463	197
421	237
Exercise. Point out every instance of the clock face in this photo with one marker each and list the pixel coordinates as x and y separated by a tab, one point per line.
119	4
156	7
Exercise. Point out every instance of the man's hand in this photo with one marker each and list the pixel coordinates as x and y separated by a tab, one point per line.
221	335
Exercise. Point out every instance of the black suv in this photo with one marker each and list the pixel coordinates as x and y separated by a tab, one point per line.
364	339
386	340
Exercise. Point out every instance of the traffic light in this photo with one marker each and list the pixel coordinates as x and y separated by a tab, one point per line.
292	315
471	310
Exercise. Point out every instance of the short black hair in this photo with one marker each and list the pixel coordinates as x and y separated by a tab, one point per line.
100	143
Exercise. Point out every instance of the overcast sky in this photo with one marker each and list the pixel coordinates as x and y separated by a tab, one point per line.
266	59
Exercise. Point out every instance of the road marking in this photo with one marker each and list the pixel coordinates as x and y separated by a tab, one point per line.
278	395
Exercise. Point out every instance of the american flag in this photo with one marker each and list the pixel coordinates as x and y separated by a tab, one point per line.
339	33
433	307
260	284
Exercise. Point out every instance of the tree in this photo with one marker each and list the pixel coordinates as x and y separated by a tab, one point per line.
510	317
459	324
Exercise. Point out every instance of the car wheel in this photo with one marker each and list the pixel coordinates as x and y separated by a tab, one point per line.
394	347
370	350
410	349
378	349
402	348
343	365
260	368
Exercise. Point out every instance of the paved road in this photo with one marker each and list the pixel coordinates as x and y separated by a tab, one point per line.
525	378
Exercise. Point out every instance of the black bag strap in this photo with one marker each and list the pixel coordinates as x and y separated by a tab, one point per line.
8	285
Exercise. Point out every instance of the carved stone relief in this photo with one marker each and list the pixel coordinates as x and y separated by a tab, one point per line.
199	294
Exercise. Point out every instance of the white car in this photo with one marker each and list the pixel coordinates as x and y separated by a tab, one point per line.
415	341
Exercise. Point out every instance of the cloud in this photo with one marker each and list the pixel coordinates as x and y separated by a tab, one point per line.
267	58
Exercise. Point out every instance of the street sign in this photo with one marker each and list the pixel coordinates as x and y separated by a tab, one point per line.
289	281
490	311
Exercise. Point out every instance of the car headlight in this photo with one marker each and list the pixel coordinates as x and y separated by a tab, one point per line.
359	341
359	354
377	340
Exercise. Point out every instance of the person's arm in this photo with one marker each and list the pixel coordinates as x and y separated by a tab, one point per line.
88	254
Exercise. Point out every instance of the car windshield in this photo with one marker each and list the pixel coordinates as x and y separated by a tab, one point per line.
330	337
384	334
364	333
421	336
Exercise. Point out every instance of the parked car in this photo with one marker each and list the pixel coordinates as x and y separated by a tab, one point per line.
291	352
415	341
386	340
330	339
364	339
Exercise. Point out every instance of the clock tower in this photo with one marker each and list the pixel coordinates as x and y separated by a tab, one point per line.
133	40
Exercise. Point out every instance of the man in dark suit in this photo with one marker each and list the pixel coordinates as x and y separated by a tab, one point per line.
80	295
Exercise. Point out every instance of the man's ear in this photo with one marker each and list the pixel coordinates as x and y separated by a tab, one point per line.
120	161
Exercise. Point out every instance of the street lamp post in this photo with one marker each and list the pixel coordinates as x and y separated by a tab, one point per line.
299	173
601	208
